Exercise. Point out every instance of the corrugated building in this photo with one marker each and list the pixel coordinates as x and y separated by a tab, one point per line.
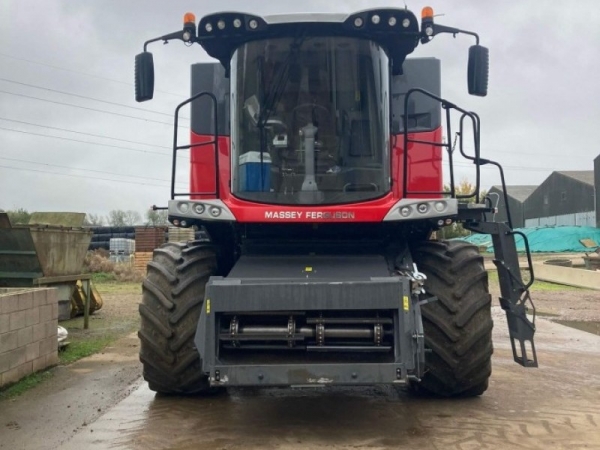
564	198
597	188
516	199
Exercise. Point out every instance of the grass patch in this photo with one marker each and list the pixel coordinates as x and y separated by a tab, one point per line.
103	277
80	348
101	333
538	286
25	384
106	283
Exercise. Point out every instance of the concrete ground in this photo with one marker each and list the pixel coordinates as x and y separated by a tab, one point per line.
101	403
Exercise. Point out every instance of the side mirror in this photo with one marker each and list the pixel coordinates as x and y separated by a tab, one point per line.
478	71
144	77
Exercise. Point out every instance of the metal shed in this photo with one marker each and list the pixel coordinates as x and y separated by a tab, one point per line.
516	198
564	198
597	188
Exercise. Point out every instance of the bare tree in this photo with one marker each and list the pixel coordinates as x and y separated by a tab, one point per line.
19	216
157	217
94	220
132	218
116	218
120	218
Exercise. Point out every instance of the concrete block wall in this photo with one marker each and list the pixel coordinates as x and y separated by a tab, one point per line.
28	332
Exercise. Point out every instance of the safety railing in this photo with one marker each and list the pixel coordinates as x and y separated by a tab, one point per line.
177	148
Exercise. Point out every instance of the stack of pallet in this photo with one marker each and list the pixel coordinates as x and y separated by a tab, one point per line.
141	260
181	234
146	240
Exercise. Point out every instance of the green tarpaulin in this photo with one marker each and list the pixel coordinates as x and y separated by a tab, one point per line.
547	239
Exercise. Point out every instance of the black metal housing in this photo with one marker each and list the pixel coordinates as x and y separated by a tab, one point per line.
327	294
398	41
210	77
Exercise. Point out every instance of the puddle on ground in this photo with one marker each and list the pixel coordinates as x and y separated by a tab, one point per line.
590	327
545	314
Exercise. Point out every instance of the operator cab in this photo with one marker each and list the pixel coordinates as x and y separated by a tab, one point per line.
310	120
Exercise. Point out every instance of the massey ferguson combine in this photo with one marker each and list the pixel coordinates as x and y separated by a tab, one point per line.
316	170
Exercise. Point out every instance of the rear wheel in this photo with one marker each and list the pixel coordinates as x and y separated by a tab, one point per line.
172	298
458	327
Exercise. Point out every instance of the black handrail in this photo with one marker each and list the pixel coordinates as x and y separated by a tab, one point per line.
529	261
176	148
476	159
448	107
504	192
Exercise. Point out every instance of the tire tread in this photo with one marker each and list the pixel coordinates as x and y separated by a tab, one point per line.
172	298
458	327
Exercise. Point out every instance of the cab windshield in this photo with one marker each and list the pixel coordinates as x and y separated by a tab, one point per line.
310	121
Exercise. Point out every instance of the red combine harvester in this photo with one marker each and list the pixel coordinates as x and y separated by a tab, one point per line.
316	171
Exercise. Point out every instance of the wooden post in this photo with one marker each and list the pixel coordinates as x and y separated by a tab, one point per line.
86	305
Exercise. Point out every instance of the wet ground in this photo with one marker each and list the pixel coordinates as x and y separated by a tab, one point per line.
590	327
101	402
555	406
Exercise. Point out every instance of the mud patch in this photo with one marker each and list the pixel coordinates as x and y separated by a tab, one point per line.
12	425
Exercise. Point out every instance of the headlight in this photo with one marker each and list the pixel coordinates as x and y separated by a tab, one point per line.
199	208
183	207
215	211
405	211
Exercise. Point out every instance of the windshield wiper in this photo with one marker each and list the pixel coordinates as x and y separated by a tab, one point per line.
272	99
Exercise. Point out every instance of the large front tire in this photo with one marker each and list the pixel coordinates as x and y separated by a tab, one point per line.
172	298
457	327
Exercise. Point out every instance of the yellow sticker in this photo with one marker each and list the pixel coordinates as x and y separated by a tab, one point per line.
208	306
406	303
308	269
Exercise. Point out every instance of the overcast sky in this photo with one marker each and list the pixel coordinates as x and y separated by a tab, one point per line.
62	62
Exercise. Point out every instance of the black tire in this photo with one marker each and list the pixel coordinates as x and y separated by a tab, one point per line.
172	298
457	327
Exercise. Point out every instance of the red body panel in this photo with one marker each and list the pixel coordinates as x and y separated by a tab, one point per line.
424	172
424	165
202	167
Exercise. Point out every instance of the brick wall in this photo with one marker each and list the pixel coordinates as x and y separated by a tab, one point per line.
28	328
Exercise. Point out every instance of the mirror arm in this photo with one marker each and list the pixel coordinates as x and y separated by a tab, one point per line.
168	37
437	29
